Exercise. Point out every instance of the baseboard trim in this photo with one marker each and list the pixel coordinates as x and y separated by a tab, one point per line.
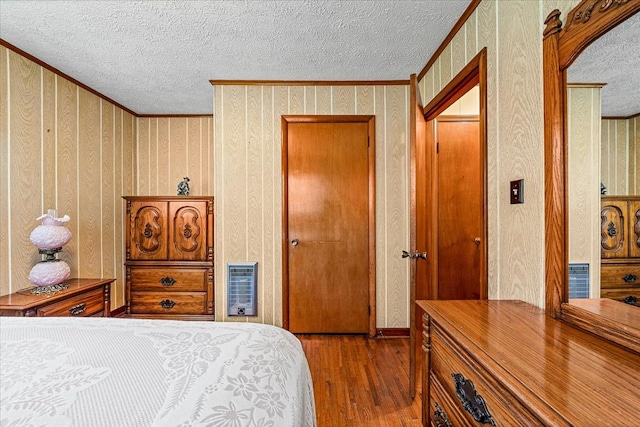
392	333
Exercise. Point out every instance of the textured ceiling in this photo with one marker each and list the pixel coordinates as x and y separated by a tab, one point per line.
613	59
157	57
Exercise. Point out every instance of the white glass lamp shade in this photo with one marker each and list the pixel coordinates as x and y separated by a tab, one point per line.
52	234
49	273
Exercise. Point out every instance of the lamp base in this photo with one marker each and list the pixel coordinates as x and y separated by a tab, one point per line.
49	273
48	289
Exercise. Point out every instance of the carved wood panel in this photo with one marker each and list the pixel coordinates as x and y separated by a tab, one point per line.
187	231
634	238
612	230
148	231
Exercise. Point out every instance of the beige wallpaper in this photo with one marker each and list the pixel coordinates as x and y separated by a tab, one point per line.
583	112
620	147
248	190
64	148
170	148
634	162
512	33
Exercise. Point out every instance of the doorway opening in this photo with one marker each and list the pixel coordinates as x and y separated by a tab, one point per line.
449	154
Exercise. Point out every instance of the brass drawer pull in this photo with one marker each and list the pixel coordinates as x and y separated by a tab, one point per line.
630	278
167	303
440	417
167	281
472	401
78	309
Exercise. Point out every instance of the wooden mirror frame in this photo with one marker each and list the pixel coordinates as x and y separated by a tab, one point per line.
586	22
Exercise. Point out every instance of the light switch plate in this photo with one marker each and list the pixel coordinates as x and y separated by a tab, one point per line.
516	192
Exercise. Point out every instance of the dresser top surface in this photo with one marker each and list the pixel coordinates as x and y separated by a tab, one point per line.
24	299
577	374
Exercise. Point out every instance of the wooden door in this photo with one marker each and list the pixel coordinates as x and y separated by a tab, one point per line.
328	235
459	208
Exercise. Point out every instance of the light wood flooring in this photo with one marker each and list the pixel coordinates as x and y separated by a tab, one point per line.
360	381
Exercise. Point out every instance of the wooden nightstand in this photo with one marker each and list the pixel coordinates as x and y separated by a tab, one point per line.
83	298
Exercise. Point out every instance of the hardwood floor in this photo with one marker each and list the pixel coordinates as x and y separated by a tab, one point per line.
360	381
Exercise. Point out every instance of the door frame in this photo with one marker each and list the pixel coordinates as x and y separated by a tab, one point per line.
423	143
370	121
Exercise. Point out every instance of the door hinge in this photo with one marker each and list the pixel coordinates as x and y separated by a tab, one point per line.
369	307
437	147
368	142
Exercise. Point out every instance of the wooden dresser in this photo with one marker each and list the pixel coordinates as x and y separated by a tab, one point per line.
620	248
83	297
506	363
169	257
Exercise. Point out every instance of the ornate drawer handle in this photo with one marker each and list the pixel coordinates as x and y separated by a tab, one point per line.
148	231
472	401
630	278
440	418
78	309
167	281
631	300
167	303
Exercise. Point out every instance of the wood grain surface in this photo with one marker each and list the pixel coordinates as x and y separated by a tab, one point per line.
544	367
360	381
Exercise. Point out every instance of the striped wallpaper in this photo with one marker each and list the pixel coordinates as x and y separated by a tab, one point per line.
248	190
512	33
63	147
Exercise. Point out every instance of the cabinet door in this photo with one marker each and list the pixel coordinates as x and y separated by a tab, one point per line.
613	229
634	229
188	230
148	230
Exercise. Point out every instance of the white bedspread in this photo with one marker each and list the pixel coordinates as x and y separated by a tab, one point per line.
128	372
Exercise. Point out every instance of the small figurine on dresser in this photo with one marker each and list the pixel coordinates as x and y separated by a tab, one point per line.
183	187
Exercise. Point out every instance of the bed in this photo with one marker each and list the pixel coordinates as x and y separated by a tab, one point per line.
135	372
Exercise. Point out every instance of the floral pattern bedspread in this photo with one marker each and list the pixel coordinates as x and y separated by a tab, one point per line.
132	372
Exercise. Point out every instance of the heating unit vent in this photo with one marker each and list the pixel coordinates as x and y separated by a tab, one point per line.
242	289
578	280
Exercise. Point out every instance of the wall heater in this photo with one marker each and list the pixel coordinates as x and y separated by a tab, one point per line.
578	280
242	289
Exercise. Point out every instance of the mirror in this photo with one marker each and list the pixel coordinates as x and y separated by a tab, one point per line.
586	23
603	131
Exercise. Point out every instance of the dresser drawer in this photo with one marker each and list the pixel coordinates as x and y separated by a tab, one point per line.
620	294
443	410
486	394
620	276
82	305
168	303
174	279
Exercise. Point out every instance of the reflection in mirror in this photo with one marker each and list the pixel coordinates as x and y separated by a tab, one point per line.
562	44
603	125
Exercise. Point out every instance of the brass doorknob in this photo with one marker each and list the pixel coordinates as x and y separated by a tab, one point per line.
477	241
294	242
